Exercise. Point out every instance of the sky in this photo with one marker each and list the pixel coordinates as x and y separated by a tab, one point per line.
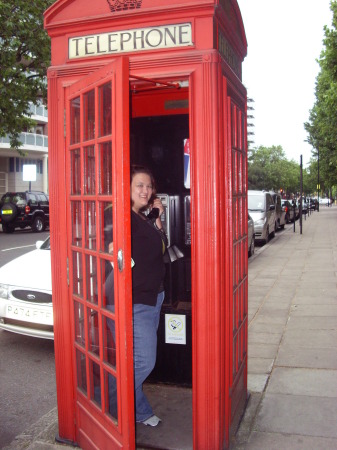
284	40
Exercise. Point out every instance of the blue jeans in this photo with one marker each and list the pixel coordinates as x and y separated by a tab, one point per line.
145	326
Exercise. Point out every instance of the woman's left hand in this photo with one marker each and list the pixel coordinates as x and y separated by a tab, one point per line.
158	204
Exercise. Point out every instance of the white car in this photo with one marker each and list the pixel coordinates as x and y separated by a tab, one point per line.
26	293
251	236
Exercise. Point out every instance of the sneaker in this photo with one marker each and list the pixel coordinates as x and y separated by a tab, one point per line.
153	421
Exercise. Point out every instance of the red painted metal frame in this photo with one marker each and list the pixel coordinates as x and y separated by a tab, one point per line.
218	394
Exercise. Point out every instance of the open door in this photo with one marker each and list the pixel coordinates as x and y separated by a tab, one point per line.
99	256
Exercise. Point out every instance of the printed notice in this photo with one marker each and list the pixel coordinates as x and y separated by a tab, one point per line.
175	329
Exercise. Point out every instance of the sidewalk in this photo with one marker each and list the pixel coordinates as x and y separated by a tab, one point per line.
292	346
292	340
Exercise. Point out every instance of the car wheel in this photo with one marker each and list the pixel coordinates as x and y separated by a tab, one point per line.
273	233
252	247
38	224
8	212
7	228
282	226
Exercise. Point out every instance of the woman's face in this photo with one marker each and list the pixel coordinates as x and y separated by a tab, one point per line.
141	191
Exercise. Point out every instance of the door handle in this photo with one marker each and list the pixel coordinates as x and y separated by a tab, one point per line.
120	260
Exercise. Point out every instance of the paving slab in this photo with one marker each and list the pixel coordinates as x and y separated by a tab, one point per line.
312	323
315	310
294	356
264	338
265	327
311	290
298	414
311	382
260	365
271	318
313	338
257	382
328	299
281	441
262	350
284	299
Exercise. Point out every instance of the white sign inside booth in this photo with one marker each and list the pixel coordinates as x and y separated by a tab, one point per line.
175	329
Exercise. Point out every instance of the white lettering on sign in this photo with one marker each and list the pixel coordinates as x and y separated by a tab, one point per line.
168	36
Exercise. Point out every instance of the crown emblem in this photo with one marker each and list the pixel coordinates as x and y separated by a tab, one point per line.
123	5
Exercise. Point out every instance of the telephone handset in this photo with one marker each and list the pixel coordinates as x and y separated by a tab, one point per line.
153	214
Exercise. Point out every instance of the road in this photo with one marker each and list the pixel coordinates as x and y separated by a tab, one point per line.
27	368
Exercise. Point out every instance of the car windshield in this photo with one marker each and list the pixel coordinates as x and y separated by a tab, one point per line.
256	202
17	197
46	244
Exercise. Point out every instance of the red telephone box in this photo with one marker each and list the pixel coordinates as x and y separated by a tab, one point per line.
154	82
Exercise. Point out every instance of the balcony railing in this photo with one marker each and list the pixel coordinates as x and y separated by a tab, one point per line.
29	140
39	110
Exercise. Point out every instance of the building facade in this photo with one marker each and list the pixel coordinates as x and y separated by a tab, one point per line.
35	149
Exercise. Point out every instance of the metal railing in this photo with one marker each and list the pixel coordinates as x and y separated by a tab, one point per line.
29	140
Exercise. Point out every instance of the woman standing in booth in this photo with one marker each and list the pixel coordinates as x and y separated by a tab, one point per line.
148	245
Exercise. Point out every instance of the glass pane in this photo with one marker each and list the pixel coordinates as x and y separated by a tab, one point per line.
106	222
75	158
89	170
95	382
79	323
104	96
93	330
77	274
81	371
105	168
75	135
110	385
89	115
90	229
76	224
109	341
91	278
108	284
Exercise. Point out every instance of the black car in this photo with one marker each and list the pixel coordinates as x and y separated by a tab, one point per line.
288	207
24	209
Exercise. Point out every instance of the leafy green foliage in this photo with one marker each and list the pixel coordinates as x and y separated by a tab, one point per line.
24	58
268	168
322	124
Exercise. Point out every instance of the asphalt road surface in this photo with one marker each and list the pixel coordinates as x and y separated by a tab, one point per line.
27	368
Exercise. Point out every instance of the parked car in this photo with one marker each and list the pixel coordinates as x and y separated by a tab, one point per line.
262	210
26	293
24	209
288	209
279	211
251	236
312	203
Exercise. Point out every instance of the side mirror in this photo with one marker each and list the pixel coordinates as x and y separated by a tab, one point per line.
272	207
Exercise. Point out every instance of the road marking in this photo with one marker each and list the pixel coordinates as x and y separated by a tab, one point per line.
16	248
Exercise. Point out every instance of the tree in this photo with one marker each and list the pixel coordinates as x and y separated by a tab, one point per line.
24	58
269	169
322	124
